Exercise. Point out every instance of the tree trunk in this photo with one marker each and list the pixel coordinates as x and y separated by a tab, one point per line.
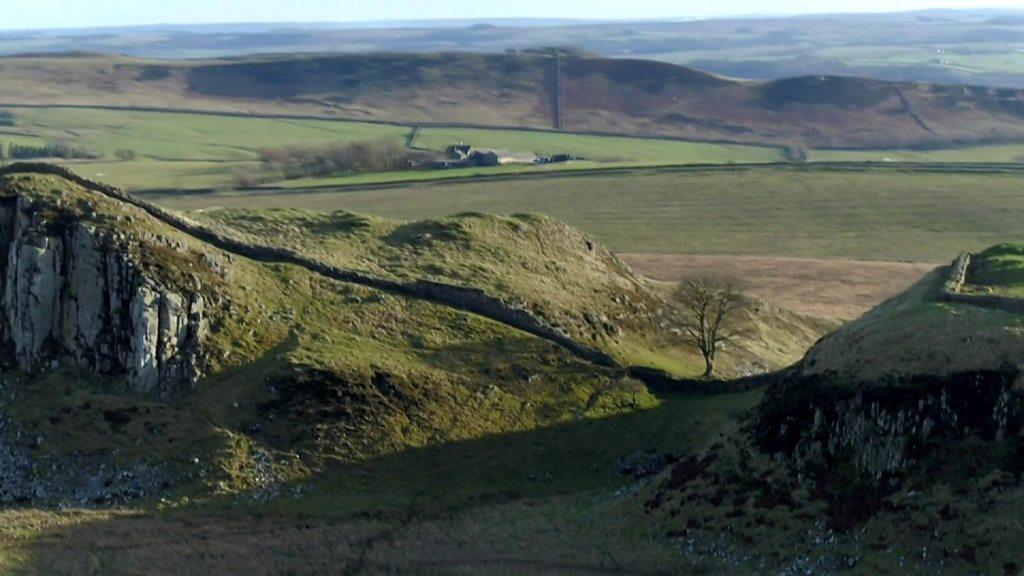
709	367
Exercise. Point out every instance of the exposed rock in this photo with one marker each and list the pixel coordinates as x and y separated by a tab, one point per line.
74	292
883	430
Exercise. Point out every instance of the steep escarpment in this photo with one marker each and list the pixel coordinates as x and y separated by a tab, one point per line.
73	291
887	429
525	272
226	363
917	372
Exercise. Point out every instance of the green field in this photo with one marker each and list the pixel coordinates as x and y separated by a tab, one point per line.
196	151
875	214
999	269
188	137
193	151
182	150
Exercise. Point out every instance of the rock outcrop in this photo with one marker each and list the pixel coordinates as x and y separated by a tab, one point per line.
882	430
73	293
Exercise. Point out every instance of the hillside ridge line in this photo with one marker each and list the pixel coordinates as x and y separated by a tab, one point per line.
466	299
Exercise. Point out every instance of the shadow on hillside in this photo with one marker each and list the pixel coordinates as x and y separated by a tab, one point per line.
541	501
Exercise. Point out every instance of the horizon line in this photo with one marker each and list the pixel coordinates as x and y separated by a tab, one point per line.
412	22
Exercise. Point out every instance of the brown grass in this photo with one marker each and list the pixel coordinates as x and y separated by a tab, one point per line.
599	95
842	289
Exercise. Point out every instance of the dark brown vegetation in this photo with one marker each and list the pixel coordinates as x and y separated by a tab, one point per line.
355	157
597	95
62	150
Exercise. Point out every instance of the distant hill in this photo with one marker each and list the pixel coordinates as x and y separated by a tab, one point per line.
620	96
945	46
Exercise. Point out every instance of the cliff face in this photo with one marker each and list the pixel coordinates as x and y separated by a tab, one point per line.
74	293
882	430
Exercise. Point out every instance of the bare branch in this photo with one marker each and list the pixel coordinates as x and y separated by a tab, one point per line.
711	316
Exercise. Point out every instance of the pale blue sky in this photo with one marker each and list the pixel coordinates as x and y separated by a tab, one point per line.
22	14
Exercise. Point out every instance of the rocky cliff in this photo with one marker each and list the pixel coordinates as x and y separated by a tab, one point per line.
882	430
74	292
915	375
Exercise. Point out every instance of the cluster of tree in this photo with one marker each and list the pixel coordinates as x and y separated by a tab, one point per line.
7	118
797	153
355	157
50	150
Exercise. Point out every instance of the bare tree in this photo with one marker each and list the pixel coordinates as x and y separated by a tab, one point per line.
712	317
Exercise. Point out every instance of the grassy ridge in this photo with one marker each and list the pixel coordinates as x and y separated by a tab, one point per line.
1000	269
556	272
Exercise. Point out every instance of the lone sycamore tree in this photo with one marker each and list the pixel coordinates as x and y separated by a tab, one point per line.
711	311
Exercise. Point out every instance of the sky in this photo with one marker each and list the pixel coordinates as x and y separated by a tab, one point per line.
31	14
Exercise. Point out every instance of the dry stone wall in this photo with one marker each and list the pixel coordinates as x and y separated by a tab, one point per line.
953	290
464	298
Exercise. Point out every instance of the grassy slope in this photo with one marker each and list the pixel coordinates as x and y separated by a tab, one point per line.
559	273
869	215
350	380
504	503
183	150
914	333
328	370
999	269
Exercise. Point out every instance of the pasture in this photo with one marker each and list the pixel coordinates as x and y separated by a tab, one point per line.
881	213
195	151
183	151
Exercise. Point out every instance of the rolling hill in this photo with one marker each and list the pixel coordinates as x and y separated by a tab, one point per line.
531	90
202	357
978	46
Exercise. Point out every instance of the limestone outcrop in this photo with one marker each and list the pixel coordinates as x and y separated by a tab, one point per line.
73	293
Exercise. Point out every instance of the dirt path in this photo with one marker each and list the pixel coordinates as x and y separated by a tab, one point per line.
842	289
